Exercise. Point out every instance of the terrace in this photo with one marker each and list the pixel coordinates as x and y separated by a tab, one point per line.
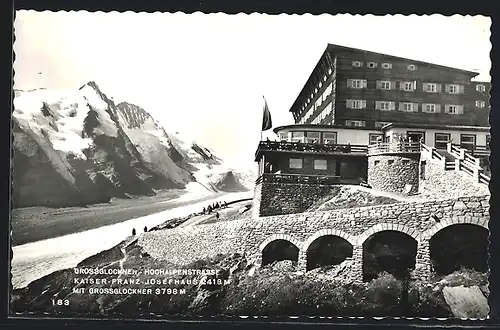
307	148
393	148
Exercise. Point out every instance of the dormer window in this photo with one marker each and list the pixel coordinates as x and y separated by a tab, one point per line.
356	64
386	66
412	67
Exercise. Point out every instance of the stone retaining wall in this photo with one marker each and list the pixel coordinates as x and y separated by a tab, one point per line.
250	236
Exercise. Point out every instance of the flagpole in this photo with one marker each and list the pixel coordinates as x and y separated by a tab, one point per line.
261	131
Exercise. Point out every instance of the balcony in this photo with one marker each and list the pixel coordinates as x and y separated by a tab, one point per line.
393	148
319	148
304	179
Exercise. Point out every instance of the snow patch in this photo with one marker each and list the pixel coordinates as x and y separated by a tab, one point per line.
107	125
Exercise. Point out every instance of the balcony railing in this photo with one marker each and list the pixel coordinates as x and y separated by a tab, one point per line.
302	179
311	147
393	147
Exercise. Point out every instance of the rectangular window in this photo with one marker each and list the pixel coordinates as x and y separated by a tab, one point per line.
385	85
480	104
408	86
356	104
372	64
431	88
430	108
297	136
312	137
375	138
480	88
454	89
488	141
320	164
355	123
295	163
412	67
408	107
385	105
330	138
283	136
357	64
386	65
356	83
468	141
390	161
453	109
441	140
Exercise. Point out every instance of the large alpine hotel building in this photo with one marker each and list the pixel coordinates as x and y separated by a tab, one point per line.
355	97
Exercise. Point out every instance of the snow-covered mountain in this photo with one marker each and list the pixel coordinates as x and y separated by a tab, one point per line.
77	147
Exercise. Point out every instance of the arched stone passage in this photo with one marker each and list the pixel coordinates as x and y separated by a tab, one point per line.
328	250
278	250
390	251
459	246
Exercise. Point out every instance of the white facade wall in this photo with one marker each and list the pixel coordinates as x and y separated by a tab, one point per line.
430	134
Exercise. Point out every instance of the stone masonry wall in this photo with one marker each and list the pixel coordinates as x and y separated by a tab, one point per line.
441	183
250	236
288	198
392	173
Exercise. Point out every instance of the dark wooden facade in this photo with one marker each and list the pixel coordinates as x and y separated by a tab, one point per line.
336	67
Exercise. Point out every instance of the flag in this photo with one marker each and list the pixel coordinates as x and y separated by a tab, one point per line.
266	120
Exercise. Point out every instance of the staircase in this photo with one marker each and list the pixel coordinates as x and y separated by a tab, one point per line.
455	158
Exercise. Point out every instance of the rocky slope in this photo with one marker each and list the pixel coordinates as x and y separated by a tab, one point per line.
78	147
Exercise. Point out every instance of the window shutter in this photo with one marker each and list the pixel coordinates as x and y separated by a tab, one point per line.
439	88
424	87
363	104
349	82
392	106
446	108
377	105
438	108
364	83
461	89
414	85
401	85
447	88
460	109
415	107
392	84
348	104
378	84
401	106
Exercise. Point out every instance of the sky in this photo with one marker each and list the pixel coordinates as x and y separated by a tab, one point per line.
205	75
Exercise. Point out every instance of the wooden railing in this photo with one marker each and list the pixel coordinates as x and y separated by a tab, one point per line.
311	147
465	162
394	147
302	179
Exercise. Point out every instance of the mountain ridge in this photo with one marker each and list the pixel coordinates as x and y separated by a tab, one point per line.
78	147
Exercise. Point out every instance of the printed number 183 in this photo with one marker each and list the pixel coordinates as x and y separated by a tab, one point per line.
60	302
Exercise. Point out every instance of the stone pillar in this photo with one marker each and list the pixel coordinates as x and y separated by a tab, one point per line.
357	266
457	164
423	261
462	153
302	262
477	172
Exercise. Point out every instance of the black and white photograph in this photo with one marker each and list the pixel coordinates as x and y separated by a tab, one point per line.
250	165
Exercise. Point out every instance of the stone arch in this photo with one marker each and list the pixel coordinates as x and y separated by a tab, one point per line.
279	247
328	232
387	226
388	248
479	221
275	237
459	244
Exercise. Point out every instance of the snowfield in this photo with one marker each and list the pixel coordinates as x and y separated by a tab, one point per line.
34	260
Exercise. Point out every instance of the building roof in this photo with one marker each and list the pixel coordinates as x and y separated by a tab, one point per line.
331	48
